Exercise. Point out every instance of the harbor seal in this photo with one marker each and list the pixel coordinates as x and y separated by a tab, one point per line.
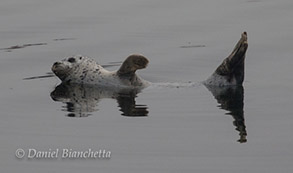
84	70
231	71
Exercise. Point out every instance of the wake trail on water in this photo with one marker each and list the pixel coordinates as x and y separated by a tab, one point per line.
161	85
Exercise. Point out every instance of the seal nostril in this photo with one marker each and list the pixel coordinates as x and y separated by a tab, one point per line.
56	63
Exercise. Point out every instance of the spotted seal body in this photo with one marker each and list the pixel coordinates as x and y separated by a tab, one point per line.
84	70
231	71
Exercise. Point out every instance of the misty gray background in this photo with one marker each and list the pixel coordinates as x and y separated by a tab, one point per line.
185	130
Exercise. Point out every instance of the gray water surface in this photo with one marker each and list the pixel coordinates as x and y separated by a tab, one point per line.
176	125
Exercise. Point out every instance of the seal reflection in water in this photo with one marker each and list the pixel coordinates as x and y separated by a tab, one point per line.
230	99
82	100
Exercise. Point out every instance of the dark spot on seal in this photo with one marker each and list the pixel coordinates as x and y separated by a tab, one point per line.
68	81
80	57
71	60
82	77
71	115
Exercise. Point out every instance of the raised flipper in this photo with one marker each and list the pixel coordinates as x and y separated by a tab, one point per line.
231	71
131	64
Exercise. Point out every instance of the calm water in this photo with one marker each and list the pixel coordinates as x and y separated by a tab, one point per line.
176	125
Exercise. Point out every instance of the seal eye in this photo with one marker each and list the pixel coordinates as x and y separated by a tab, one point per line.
72	60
